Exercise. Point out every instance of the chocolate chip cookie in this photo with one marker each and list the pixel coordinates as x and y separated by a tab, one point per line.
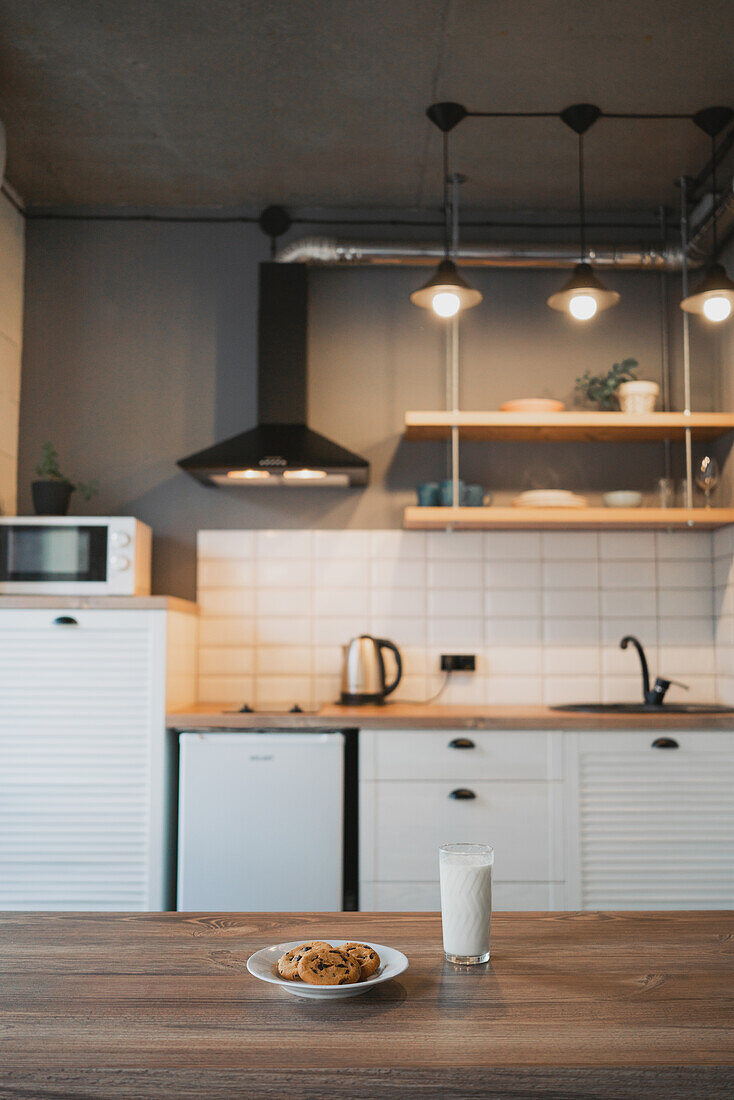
288	963
366	956
328	966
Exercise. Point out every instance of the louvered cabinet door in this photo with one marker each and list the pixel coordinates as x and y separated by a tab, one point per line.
650	820
75	727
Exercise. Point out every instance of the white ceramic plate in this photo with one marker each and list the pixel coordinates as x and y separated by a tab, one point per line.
264	965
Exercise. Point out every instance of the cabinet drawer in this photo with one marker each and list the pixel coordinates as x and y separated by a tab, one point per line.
417	897
457	754
404	824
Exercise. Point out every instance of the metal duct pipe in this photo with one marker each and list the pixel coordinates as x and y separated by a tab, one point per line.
328	251
699	246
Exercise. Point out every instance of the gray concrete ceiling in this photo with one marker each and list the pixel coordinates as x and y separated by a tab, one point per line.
321	104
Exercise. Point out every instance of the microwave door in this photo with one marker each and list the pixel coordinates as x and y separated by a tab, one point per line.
50	555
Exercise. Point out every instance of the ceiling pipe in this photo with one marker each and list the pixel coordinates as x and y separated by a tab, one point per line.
700	244
330	251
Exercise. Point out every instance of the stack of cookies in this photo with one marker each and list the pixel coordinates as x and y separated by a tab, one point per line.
318	963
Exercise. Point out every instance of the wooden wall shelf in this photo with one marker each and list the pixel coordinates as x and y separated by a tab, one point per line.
609	427
511	518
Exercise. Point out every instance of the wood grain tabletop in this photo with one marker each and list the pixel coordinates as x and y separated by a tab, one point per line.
155	1005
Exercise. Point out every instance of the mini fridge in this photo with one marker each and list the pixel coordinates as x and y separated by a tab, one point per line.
261	821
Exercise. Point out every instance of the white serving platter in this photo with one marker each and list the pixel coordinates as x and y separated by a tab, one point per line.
264	965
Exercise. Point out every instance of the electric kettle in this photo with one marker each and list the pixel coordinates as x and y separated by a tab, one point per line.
363	675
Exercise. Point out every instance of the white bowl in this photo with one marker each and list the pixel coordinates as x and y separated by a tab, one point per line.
623	498
264	965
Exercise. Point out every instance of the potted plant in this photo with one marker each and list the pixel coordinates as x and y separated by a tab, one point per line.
620	383
601	389
52	491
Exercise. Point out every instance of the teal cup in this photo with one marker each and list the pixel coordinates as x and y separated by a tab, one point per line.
446	492
428	494
473	496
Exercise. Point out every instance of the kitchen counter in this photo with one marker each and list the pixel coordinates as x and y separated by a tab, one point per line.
573	1004
111	603
405	716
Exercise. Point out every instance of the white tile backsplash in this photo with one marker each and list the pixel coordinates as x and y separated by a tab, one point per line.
398	602
542	612
626	545
449	574
284	573
341	601
408	545
512	574
225	573
569	545
511	545
513	603
570	574
454	602
455	545
398	573
628	574
227	601
296	545
456	632
684	545
274	602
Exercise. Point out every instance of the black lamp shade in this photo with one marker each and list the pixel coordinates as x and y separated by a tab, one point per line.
583	281
715	284
447	280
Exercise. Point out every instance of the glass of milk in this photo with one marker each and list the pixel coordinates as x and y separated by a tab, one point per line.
466	901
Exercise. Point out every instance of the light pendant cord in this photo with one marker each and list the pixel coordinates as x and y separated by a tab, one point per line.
446	222
582	202
714	196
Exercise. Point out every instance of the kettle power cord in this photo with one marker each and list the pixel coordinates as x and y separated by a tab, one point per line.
432	698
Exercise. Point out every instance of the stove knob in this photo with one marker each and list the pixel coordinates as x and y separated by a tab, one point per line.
119	563
119	538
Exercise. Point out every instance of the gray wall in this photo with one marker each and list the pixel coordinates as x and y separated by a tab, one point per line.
140	345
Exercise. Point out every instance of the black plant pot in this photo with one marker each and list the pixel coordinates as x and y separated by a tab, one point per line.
51	498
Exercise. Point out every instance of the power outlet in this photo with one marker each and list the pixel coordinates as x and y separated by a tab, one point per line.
458	662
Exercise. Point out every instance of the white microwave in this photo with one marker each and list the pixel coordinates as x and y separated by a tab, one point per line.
74	555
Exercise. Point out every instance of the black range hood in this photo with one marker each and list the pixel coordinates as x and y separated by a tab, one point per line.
282	450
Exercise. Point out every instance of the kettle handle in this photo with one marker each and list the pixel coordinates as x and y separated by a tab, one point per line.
384	644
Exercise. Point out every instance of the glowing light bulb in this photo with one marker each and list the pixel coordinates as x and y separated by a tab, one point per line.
717	308
446	304
582	307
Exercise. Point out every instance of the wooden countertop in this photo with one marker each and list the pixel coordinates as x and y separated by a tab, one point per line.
573	1004
403	716
111	603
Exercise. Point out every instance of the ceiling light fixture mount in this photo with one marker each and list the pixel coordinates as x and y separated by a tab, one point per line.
714	298
583	295
447	292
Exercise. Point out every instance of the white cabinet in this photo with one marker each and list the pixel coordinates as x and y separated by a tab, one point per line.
85	764
420	789
650	820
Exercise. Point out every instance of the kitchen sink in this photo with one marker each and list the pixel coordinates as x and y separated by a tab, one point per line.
645	708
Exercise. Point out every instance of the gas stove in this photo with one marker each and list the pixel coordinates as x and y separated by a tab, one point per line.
247	709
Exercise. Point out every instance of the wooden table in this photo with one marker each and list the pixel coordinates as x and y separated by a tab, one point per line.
572	1005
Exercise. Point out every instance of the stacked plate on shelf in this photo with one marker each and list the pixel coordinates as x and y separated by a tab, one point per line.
549	498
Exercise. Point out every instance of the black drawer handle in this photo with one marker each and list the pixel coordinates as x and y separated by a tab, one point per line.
462	793
462	743
664	743
65	620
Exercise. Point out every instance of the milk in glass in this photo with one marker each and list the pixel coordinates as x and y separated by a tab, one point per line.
466	901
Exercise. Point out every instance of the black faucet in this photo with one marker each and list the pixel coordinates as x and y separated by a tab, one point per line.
655	696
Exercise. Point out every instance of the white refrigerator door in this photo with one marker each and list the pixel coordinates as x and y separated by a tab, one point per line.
261	821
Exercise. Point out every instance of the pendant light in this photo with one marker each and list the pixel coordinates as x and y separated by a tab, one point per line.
583	295
446	292
714	298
